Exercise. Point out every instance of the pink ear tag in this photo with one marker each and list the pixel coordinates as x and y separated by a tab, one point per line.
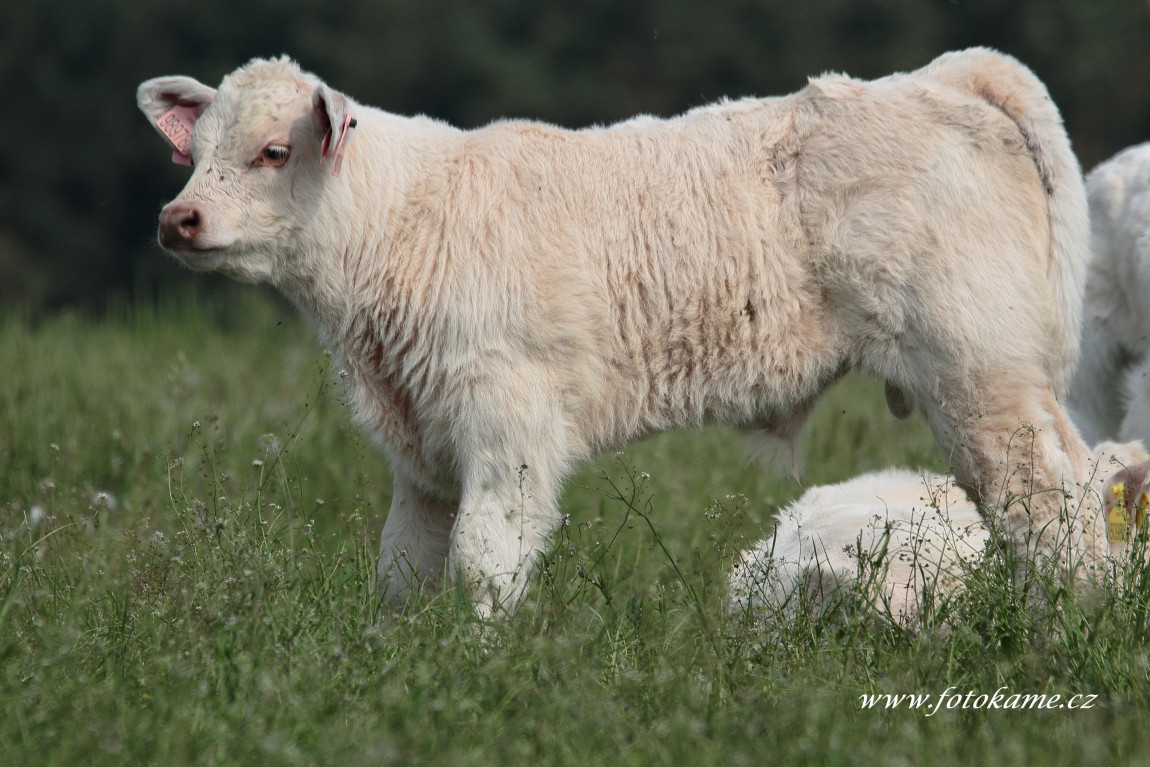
177	125
337	165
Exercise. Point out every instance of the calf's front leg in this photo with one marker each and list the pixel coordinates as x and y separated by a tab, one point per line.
414	542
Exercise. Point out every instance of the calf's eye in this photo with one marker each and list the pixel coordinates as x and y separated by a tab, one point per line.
274	155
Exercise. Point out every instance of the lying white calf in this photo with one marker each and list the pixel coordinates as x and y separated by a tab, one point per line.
1111	393
512	300
904	534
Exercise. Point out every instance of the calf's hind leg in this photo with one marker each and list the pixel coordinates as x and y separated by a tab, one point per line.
1014	449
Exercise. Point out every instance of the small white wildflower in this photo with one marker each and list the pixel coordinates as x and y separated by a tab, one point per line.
195	425
102	499
35	515
257	463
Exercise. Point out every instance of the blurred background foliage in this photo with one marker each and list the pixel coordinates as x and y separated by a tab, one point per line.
82	175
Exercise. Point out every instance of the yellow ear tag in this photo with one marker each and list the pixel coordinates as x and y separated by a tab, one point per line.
1118	527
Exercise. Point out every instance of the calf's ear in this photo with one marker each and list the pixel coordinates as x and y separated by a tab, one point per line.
172	105
334	123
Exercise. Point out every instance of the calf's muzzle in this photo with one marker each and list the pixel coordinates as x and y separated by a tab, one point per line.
180	225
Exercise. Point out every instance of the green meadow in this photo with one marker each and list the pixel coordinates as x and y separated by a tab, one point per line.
188	532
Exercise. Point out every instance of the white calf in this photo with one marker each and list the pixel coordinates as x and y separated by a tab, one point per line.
511	300
903	534
1111	393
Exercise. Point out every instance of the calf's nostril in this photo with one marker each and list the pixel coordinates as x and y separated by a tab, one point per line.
190	223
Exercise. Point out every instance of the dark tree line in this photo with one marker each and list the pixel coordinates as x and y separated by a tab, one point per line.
82	175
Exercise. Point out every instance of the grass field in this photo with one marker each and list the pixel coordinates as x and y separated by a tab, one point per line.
188	526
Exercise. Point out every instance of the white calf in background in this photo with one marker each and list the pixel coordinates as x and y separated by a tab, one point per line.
904	529
909	533
1110	397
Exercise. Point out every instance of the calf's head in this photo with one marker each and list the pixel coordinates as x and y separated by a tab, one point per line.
1123	477
263	148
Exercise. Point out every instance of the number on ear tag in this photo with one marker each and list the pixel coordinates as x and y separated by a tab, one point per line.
177	125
